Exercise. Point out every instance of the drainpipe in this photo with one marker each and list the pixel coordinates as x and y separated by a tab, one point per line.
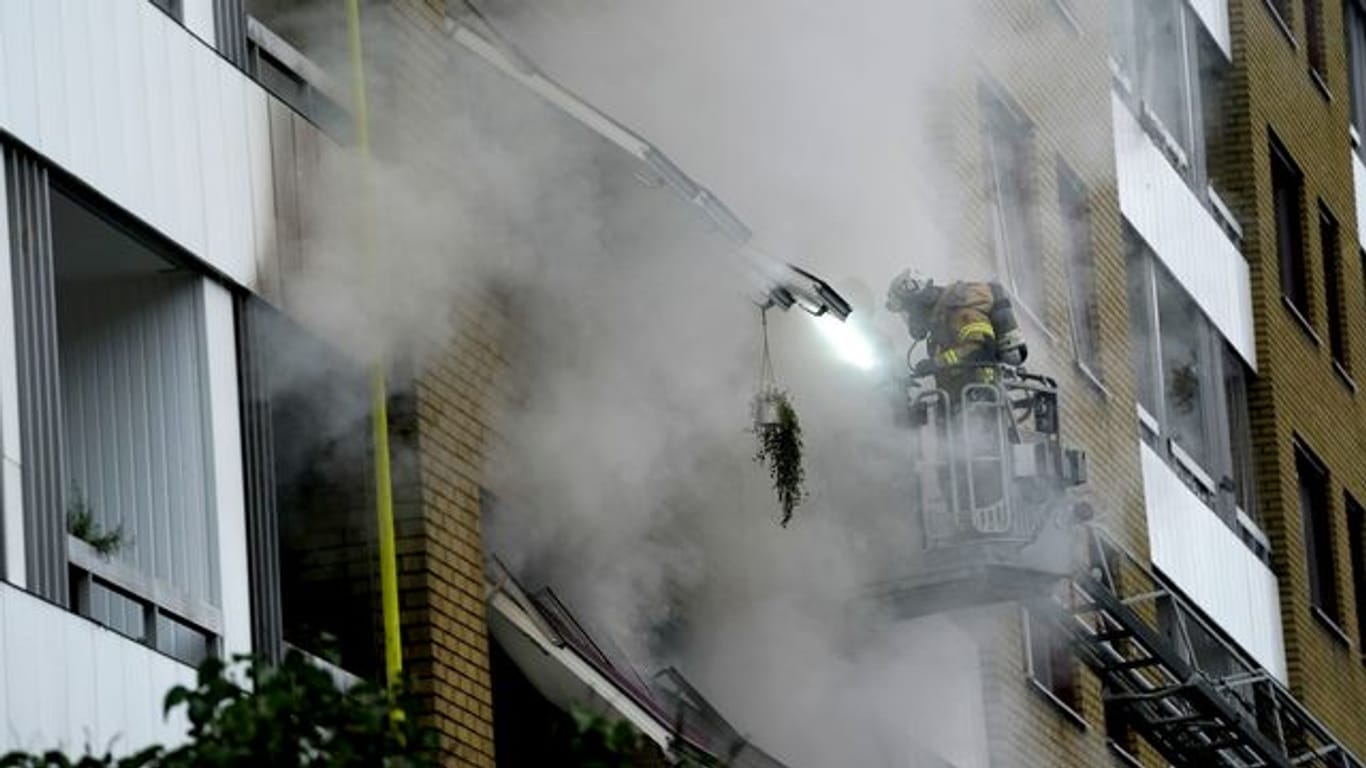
379	419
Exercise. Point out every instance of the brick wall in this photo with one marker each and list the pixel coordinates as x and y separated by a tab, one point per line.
1297	393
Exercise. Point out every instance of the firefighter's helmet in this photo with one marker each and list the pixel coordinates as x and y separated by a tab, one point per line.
912	295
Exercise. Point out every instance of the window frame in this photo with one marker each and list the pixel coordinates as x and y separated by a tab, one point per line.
1230	451
1330	247
1356	553
1313	484
1292	258
1061	686
1017	254
1354	38
1074	205
1316	43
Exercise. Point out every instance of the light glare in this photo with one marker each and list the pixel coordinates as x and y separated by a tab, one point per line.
851	346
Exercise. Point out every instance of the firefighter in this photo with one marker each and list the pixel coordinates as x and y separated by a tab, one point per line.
965	323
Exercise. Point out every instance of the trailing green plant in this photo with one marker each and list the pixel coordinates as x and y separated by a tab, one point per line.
291	714
780	449
80	522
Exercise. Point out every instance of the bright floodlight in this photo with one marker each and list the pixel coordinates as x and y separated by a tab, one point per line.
849	344
797	286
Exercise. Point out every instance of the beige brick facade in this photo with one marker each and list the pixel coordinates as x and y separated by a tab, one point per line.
1297	395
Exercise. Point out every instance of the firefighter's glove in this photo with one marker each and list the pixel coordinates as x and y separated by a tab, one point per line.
925	367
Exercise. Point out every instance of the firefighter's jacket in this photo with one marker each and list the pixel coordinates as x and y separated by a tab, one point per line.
961	332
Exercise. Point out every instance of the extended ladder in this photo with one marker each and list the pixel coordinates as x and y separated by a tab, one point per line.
1175	679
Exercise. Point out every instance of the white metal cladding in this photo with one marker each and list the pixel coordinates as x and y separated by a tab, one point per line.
1359	182
121	96
1214	13
1211	566
11	482
1163	210
67	682
135	414
229	501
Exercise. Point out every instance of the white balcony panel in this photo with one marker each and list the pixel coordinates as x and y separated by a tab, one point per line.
124	98
1211	566
198	17
66	682
1214	13
1359	181
1157	202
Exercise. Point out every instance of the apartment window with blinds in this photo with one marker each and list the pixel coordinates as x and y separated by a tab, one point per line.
1354	22
1317	518
1075	208
1287	189
1331	246
1009	154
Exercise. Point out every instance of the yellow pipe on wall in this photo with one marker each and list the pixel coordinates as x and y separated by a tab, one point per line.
379	419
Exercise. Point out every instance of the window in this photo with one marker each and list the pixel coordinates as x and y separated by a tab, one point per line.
1009	153
1287	196
281	69
1192	389
1332	287
1356	545
119	515
1354	20
313	551
1317	518
1173	75
1074	203
1314	41
1050	664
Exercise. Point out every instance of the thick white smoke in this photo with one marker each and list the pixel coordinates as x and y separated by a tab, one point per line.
622	458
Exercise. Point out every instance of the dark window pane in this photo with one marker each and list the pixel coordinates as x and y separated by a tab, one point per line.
1286	197
1313	20
1356	530
1051	662
1332	286
1318	534
1241	457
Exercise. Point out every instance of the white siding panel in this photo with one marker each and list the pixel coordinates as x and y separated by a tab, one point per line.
262	181
80	90
188	224
142	110
135	24
53	124
1359	181
110	169
1214	13
68	682
1183	234
20	91
226	447
212	160
1211	566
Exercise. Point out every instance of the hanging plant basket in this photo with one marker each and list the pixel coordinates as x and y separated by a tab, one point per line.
779	434
780	449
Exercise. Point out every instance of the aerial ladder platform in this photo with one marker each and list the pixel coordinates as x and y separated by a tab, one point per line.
997	503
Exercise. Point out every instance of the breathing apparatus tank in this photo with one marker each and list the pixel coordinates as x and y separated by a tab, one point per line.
1010	341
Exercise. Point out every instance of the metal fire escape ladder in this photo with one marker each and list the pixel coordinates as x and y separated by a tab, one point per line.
1175	679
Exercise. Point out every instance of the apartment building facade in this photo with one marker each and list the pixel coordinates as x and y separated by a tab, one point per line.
1194	285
